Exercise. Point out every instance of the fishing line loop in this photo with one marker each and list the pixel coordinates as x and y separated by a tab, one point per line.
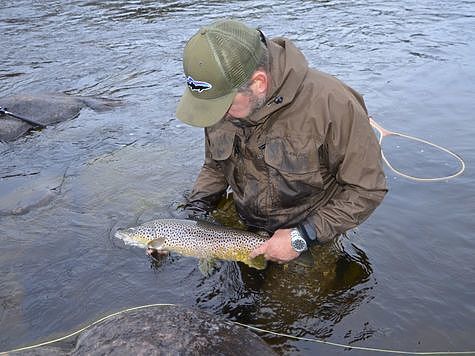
384	132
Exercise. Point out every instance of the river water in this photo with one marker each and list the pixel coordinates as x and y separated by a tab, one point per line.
404	280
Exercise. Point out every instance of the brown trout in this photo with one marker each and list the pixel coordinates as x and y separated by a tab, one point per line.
196	239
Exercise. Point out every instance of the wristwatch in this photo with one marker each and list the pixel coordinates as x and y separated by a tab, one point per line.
297	242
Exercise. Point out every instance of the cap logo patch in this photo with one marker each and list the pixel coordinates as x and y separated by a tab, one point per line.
196	85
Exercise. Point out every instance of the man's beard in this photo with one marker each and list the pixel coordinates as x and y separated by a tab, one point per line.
256	104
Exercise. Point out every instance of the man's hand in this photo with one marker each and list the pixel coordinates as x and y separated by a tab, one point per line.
277	248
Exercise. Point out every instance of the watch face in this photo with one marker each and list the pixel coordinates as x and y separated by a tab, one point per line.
299	245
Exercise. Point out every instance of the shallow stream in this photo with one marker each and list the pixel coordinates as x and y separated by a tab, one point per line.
404	280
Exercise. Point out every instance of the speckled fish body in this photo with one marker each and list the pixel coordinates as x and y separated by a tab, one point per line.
197	239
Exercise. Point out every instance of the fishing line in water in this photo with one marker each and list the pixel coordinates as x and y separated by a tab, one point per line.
384	133
246	326
357	347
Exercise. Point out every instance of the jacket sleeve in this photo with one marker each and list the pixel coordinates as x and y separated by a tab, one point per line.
210	184
355	154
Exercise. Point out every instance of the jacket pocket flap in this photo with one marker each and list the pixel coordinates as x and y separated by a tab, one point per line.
221	145
299	155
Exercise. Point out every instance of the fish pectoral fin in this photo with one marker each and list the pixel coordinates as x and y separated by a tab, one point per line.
207	266
151	251
155	244
154	252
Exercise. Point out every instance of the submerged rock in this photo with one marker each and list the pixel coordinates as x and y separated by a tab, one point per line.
45	109
21	193
165	330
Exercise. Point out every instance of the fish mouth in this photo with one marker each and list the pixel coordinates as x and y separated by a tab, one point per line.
127	235
120	235
123	234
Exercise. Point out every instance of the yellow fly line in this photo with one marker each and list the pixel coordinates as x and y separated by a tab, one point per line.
384	133
246	326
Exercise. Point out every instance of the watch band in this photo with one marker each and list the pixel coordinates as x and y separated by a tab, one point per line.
308	232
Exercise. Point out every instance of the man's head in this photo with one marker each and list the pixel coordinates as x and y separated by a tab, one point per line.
225	66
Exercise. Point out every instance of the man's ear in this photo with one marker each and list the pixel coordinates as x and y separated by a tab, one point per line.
260	82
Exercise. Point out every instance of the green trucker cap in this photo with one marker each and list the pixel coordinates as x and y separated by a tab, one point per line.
217	60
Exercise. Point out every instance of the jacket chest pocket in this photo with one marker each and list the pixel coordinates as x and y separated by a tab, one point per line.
294	169
225	150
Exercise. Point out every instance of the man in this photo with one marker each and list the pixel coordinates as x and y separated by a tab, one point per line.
294	144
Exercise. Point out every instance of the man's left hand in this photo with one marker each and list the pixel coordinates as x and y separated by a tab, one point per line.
277	248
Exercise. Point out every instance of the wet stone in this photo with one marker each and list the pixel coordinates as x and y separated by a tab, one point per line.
45	109
168	330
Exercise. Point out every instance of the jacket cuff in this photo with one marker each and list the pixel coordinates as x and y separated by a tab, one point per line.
308	232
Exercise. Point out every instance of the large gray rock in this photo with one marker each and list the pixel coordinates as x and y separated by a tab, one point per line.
165	330
45	109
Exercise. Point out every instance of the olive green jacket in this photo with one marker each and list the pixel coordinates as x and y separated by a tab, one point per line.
308	156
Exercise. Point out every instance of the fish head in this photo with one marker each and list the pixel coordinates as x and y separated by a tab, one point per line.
138	235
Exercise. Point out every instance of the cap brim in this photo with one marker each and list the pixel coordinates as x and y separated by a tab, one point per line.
203	112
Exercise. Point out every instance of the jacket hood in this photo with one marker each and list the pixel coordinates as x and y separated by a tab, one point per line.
288	68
